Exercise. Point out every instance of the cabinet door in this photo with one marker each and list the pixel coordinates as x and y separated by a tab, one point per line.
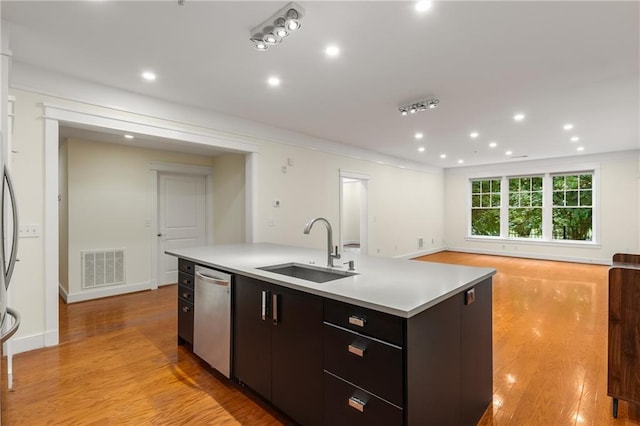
297	355
433	365
252	335
476	364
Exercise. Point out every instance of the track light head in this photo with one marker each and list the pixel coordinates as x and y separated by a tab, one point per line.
278	26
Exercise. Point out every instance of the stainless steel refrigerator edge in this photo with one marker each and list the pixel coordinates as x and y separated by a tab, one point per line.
212	318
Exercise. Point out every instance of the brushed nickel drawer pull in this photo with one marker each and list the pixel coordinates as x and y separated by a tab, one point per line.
185	309
357	403
360	322
356	350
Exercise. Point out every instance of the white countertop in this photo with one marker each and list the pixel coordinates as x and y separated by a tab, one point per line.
395	286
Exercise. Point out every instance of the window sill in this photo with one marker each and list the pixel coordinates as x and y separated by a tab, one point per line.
550	243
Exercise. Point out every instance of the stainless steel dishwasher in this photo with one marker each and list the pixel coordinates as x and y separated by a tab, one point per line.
212	318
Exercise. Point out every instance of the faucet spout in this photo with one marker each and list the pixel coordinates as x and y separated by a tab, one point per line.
330	253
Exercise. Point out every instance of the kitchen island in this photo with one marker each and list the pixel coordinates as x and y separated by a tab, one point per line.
398	342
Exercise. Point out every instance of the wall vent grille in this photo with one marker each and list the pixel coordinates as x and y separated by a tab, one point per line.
102	268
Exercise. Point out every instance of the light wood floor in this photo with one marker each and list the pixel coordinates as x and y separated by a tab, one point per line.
118	362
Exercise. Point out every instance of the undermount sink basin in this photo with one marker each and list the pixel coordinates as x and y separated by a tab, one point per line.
309	273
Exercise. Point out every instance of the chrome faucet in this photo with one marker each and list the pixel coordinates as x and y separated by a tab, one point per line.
330	253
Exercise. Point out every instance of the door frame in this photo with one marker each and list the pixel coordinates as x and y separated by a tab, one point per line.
156	169
364	207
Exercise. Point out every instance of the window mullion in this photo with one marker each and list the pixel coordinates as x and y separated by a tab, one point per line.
504	207
547	207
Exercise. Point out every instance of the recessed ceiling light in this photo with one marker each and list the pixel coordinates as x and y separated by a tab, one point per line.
580	148
568	126
128	136
443	155
493	144
273	81
423	6
519	116
575	139
421	149
149	75
332	51
508	153
418	135
474	135
460	161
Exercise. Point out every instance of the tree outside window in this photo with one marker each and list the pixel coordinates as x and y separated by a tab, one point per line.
525	207
485	207
573	207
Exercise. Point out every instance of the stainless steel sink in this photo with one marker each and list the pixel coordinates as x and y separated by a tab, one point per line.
309	273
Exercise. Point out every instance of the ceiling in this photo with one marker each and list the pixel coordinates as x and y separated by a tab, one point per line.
556	62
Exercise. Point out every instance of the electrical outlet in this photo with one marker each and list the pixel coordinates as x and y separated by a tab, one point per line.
420	242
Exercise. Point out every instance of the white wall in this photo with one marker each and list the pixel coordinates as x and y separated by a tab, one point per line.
403	204
617	223
229	199
351	212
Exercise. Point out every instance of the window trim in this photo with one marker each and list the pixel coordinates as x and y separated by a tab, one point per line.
547	206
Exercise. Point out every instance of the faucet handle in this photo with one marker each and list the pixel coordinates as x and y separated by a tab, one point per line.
336	255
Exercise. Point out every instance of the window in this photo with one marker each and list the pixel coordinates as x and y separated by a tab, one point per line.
485	207
542	207
525	207
573	207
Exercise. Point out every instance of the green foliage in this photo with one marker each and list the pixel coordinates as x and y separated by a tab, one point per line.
485	222
525	223
573	224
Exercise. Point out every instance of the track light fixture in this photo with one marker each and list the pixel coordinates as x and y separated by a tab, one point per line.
419	106
277	27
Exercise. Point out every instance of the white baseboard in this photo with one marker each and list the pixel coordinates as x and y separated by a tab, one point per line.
420	253
27	343
539	256
102	292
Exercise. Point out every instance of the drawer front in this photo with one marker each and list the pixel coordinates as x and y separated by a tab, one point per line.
185	280
365	321
185	320
345	404
186	266
370	364
185	293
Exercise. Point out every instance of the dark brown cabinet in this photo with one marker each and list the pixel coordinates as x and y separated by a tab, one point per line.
450	360
185	301
623	381
278	347
433	368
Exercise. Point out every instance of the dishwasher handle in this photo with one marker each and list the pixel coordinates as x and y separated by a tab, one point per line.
212	280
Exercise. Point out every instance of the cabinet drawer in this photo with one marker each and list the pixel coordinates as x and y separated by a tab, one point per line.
185	280
185	293
345	404
186	266
185	320
370	364
365	321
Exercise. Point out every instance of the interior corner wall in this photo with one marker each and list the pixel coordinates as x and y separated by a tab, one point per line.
617	221
110	205
229	199
63	218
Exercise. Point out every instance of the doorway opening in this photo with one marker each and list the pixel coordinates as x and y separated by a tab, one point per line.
354	235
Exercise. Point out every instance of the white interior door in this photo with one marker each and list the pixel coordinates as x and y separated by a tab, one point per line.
181	219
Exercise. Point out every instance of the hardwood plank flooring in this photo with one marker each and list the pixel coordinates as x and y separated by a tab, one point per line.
118	362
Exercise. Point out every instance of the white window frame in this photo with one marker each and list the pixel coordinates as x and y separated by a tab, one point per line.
547	205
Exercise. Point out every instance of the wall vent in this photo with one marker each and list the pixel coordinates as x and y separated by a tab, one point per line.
102	268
